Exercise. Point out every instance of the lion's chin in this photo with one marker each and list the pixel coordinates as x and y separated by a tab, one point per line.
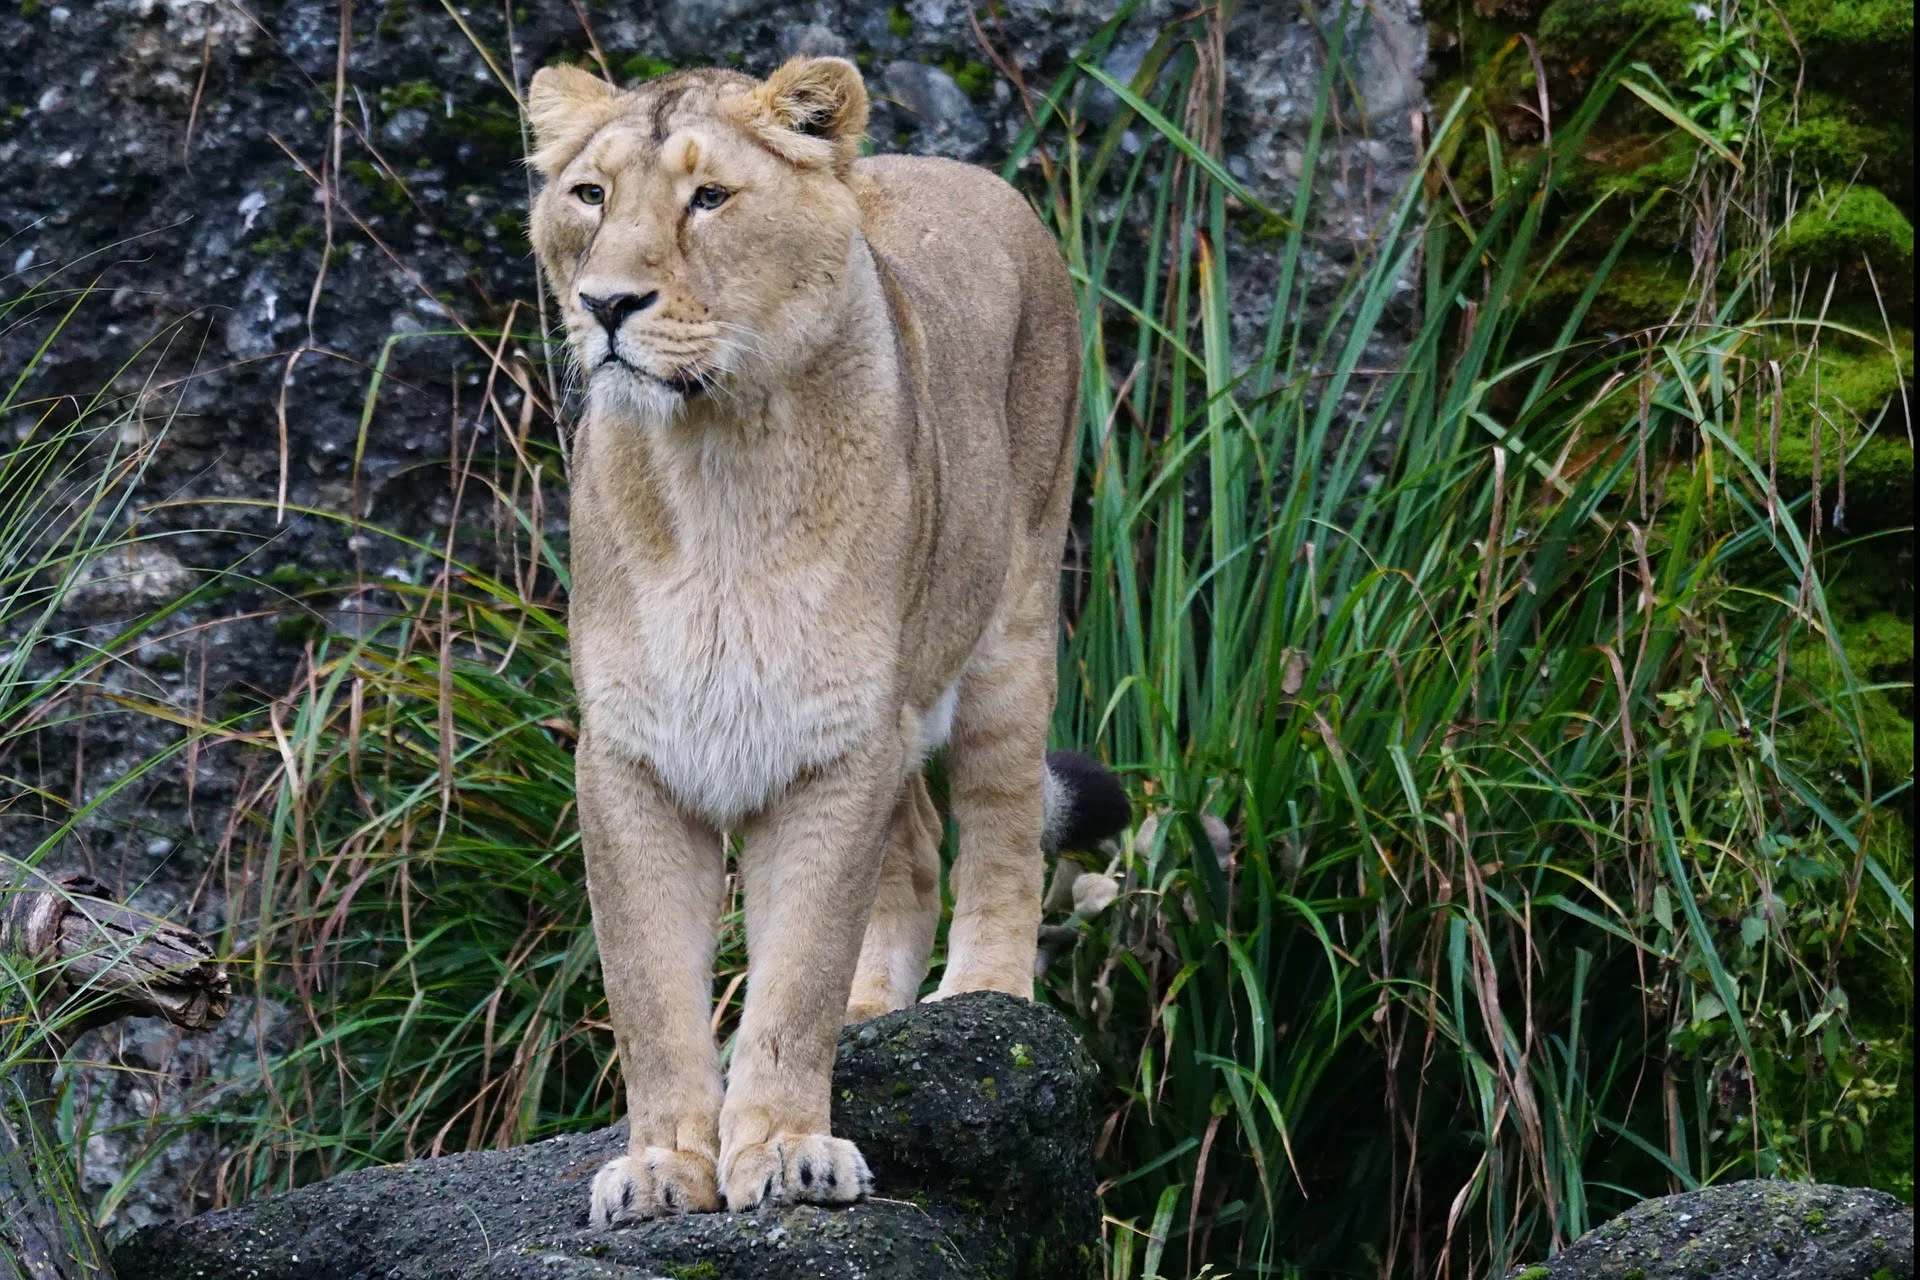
618	391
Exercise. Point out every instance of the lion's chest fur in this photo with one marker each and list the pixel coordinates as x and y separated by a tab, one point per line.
730	689
748	654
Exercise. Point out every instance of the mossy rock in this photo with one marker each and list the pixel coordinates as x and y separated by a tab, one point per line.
984	1170
1745	1231
1886	737
1873	620
1587	33
1862	47
1848	390
1643	289
1834	139
1837	231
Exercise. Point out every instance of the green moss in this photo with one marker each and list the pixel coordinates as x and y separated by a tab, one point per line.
974	78
1880	647
1886	738
412	93
899	21
1864	46
1259	228
1643	289
1884	726
1842	393
694	1271
1534	1273
298	628
1835	232
388	196
1837	139
1588	32
642	67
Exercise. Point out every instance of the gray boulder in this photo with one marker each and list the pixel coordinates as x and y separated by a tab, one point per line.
1746	1231
975	1114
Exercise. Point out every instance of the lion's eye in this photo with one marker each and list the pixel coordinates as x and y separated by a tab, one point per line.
590	193
709	197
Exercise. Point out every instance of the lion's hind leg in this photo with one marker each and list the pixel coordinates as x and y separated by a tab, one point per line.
996	767
906	910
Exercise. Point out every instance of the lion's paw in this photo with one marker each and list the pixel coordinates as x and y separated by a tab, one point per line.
865	1011
809	1168
652	1184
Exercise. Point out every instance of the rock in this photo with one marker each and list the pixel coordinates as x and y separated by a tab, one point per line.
975	1114
1094	893
1745	1231
127	581
945	113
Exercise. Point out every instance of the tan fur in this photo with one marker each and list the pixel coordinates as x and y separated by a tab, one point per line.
819	500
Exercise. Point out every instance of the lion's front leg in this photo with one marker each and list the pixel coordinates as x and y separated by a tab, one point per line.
809	869
656	879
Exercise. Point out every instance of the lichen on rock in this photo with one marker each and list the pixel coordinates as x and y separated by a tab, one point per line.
1745	1231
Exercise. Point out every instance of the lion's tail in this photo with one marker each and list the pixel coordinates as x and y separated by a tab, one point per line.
1085	803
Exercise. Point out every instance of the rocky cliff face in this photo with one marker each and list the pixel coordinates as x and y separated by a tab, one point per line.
303	224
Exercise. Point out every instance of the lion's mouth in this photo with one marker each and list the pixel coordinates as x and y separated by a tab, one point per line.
685	385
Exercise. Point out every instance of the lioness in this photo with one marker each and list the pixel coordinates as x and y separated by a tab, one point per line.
820	495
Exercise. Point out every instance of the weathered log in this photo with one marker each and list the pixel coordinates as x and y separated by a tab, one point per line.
71	959
975	1114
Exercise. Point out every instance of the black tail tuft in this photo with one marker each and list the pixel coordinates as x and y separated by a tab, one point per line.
1085	802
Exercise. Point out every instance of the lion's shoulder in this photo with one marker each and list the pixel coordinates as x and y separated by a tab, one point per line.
902	195
959	240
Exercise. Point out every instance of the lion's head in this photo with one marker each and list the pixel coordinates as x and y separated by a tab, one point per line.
697	228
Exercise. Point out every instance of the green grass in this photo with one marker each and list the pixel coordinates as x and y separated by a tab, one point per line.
1558	865
69	471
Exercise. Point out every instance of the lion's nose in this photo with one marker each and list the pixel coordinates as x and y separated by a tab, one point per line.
614	308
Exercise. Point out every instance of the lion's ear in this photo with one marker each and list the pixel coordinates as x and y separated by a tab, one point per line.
810	102
565	106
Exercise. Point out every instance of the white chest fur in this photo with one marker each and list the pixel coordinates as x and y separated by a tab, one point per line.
765	642
730	689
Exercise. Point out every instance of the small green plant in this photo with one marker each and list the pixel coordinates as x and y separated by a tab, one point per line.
1724	74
